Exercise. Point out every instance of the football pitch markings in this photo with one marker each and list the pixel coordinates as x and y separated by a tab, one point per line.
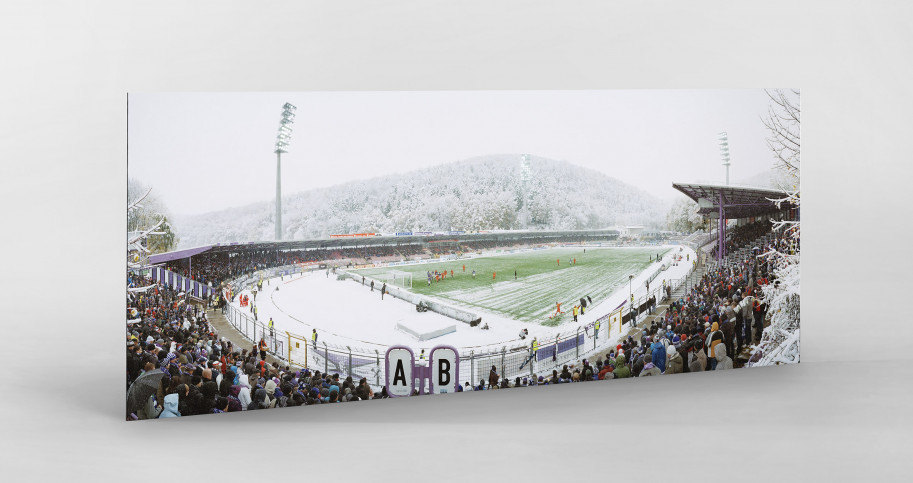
544	277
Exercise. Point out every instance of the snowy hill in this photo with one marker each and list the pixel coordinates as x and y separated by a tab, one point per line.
481	193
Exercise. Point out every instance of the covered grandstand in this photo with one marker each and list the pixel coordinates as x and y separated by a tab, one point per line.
368	247
742	203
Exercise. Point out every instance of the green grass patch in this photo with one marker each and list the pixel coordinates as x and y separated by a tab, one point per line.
542	278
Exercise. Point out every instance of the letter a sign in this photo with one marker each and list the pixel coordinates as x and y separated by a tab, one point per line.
445	369
400	370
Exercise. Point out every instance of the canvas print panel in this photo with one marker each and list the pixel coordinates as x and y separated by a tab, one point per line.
300	249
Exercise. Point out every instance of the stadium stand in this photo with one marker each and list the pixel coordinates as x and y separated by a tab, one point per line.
197	372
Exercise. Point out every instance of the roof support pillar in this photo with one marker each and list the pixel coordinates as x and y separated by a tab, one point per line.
721	232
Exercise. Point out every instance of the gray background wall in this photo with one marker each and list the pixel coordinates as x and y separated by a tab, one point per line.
66	69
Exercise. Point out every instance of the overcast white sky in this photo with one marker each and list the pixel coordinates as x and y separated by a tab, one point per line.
208	151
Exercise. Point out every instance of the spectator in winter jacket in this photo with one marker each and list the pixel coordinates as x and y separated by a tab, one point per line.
493	378
587	373
171	407
697	361
674	364
650	370
658	357
621	370
259	400
244	391
713	341
727	327
270	387
639	361
723	361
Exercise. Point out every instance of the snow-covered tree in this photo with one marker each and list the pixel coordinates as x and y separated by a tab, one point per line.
473	194
683	217
780	341
148	230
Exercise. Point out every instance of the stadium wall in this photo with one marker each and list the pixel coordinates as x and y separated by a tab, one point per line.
446	310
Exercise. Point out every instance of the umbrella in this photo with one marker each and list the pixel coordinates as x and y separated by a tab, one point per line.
143	387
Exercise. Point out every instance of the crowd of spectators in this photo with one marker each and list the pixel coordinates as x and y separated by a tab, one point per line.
703	330
484	245
706	329
218	267
742	235
202	373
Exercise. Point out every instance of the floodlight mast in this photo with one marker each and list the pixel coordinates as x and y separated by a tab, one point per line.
282	141
723	138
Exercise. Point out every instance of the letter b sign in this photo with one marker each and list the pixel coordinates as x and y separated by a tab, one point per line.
445	369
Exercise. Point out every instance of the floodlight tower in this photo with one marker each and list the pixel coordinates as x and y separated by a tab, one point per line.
282	141
524	189
723	137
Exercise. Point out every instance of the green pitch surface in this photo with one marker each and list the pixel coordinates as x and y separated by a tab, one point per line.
541	279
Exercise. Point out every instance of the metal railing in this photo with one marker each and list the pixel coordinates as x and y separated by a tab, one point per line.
253	330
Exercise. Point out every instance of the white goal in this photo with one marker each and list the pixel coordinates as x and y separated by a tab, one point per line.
396	278
401	279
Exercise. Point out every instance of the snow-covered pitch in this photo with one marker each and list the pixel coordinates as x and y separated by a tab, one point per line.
347	313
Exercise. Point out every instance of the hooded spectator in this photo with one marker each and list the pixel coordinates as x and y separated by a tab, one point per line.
259	400
674	364
171	407
658	357
621	370
723	361
244	391
270	387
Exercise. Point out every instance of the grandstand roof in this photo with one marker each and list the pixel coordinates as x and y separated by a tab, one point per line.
331	243
738	201
177	255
